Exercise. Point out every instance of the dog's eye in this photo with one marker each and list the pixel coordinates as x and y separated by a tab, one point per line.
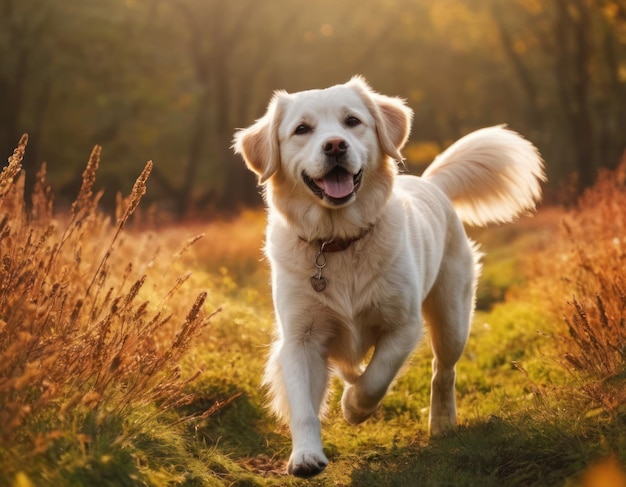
352	121
302	129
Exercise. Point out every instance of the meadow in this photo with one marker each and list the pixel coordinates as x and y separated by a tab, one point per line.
132	347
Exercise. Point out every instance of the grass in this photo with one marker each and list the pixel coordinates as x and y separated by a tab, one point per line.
116	371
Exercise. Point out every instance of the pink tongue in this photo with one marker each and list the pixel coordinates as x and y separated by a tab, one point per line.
337	184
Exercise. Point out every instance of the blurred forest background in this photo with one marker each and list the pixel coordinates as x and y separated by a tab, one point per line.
170	81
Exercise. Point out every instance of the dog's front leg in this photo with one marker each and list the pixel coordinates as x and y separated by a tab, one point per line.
305	374
360	399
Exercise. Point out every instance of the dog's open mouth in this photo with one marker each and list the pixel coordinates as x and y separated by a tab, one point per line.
337	186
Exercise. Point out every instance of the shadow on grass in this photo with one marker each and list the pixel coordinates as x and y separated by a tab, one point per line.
529	449
498	453
243	430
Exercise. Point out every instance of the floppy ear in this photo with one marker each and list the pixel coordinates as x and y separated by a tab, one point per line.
258	144
392	115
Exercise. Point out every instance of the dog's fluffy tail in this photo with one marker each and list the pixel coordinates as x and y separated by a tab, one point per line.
490	175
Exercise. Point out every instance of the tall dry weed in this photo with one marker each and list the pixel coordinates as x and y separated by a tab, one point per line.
80	325
583	279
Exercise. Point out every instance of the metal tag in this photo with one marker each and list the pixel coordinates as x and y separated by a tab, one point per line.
318	283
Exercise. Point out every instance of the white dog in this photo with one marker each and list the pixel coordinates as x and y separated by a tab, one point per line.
360	255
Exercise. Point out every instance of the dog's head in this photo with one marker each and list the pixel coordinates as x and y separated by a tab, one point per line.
327	146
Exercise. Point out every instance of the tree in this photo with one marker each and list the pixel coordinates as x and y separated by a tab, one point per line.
170	80
25	74
574	42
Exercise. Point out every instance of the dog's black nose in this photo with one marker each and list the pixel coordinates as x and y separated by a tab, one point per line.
335	147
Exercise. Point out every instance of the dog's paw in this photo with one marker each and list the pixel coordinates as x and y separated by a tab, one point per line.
306	463
352	411
441	425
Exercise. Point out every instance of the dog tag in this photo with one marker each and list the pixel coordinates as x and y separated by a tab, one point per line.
319	283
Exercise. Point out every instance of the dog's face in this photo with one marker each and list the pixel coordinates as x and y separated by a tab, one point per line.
327	139
326	146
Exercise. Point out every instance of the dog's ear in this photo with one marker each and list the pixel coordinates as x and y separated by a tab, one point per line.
392	115
258	144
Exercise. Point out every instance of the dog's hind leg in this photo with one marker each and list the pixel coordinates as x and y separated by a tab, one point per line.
360	399
448	311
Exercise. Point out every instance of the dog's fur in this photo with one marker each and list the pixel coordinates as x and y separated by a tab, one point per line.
406	253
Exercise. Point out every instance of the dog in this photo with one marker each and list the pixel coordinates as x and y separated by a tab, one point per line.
360	255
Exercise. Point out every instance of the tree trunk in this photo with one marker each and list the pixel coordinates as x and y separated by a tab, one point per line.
524	76
573	27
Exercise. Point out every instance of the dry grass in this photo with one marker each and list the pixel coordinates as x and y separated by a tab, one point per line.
81	326
587	265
